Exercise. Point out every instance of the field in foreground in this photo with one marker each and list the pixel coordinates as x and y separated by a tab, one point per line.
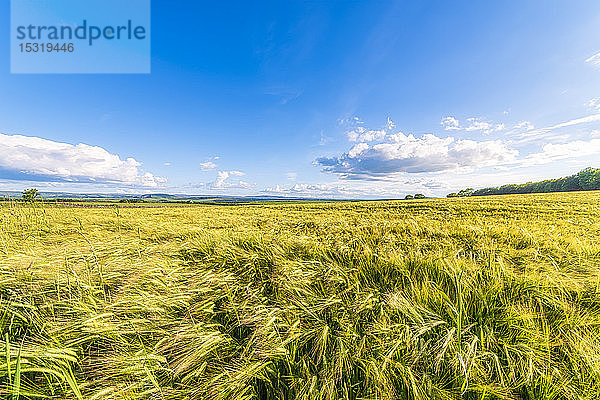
481	298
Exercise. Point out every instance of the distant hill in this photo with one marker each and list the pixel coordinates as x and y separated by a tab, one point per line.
588	179
156	198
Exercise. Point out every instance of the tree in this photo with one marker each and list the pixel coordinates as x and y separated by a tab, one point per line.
449	195
30	195
589	179
419	196
408	197
468	192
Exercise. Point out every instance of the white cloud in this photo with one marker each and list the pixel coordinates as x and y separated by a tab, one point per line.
324	139
245	185
476	124
357	149
323	190
594	104
583	120
553	152
524	125
223	181
401	153
351	120
221	178
578	121
360	134
390	124
595	59
392	188
473	124
26	157
167	164
450	124
207	166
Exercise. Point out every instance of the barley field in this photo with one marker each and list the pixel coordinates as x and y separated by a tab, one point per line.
471	298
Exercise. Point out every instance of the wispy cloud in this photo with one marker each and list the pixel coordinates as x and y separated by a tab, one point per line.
573	122
595	59
350	120
524	125
594	104
577	121
284	95
553	152
324	139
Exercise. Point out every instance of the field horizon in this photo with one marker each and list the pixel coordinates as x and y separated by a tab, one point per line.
587	179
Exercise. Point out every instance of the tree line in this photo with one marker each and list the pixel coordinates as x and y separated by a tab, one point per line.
588	179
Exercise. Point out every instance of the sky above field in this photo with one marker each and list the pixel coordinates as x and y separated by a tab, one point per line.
346	99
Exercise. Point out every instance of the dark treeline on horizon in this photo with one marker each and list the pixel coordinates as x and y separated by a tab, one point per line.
588	179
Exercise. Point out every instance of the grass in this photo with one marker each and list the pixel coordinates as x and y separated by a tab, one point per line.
480	298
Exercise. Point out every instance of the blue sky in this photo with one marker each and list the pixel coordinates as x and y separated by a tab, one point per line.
349	99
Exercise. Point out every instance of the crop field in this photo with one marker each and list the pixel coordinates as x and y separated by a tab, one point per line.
471	298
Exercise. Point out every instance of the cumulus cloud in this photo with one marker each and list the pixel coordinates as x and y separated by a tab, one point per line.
27	158
476	124
357	149
207	166
472	124
221	178
360	134
401	153
450	124
224	181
